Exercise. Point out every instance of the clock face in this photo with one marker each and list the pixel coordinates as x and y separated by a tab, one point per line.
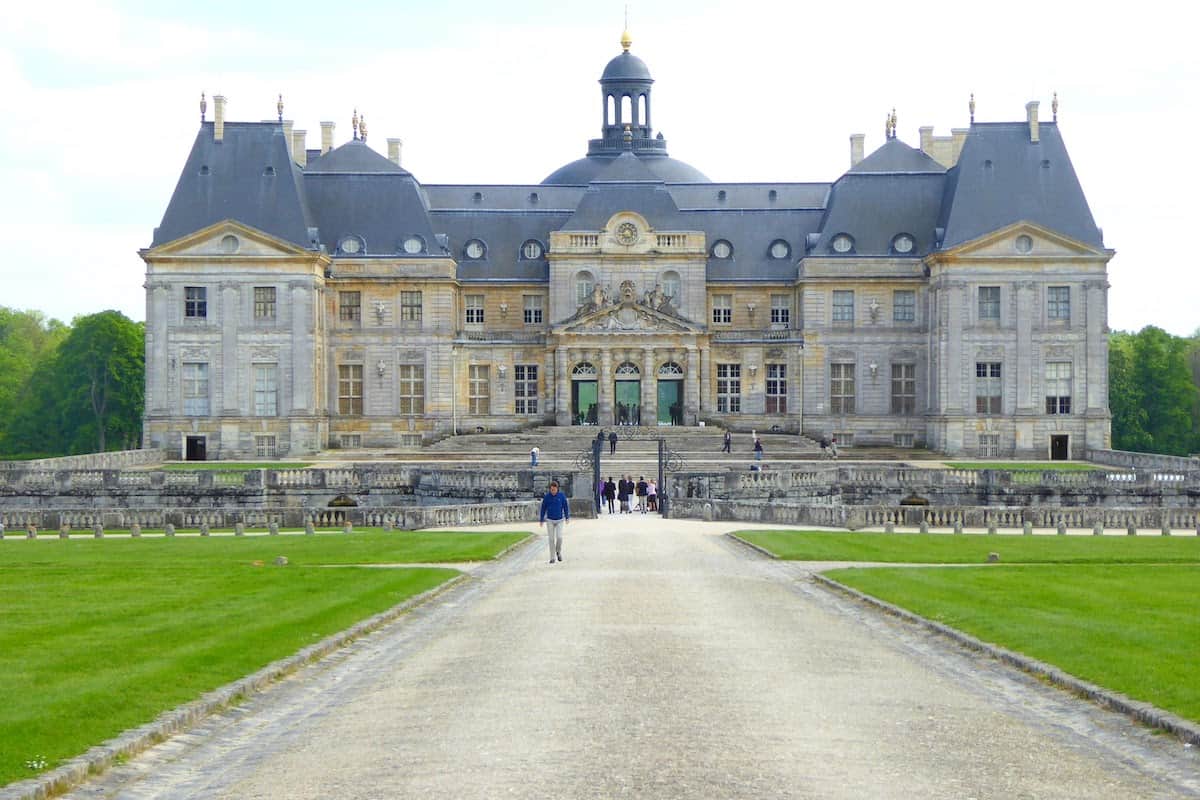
842	243
780	250
474	249
722	249
413	245
903	243
350	245
627	233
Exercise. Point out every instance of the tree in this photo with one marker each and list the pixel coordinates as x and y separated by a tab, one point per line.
1153	396
1125	396
27	339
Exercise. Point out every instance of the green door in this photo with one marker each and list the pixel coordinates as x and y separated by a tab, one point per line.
628	408
670	402
583	403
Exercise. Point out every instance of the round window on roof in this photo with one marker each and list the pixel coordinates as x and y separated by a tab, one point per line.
1023	244
903	243
722	249
532	249
780	249
350	245
842	243
413	245
230	243
474	249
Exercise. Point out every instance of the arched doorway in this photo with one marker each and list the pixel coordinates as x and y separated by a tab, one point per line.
584	408
627	394
670	394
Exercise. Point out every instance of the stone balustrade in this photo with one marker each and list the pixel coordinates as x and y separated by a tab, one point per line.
1148	461
117	459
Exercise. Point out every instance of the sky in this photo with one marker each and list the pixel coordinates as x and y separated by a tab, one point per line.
99	105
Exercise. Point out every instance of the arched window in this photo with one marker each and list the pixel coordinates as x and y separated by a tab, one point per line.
585	282
670	370
532	249
671	286
645	115
584	370
626	109
610	111
628	368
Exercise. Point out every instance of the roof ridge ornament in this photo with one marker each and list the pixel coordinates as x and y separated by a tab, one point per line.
362	128
354	124
971	108
889	126
1054	106
203	107
279	107
626	39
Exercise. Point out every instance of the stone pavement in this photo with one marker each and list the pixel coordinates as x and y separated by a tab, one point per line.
659	660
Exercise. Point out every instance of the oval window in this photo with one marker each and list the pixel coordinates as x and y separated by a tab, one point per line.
903	243
413	245
474	249
780	249
842	243
722	249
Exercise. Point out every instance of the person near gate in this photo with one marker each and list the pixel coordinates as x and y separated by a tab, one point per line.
624	488
652	495
556	509
612	443
533	455
640	491
726	447
610	494
758	449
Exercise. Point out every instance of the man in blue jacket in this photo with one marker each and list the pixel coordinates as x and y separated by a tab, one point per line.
556	508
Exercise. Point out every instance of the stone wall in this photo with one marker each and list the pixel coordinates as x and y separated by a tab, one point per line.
118	459
1148	461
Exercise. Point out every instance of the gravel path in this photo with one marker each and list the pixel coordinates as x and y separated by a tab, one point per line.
663	660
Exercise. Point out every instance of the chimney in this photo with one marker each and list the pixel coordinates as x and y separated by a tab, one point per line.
326	137
959	136
299	153
394	150
1031	114
218	118
926	139
287	137
856	148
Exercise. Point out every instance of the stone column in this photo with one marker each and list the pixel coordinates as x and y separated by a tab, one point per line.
691	385
303	379
604	389
1027	309
562	391
1094	372
230	362
955	295
159	370
702	381
649	388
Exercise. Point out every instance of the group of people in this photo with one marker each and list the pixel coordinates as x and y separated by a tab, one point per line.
626	492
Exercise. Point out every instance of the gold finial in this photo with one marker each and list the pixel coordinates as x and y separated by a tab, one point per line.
971	106
203	107
354	123
626	41
362	128
1054	106
279	108
893	122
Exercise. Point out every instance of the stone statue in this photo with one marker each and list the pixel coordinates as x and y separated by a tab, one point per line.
597	296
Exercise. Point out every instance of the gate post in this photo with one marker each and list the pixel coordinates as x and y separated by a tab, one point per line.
596	448
663	494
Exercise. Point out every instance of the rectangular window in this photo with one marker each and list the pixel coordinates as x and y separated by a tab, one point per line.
533	309
904	305
904	388
989	303
411	307
1058	302
525	388
729	388
988	388
722	309
195	302
350	388
350	440
776	388
264	302
195	389
1058	387
412	388
479	393
903	439
841	388
781	310
349	306
474	309
266	393
264	445
843	306
989	444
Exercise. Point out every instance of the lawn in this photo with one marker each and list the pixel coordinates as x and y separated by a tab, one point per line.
942	548
97	637
1025	466
1132	628
230	466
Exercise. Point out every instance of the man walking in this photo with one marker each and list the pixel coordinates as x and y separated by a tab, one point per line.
726	447
533	455
556	508
612	443
640	491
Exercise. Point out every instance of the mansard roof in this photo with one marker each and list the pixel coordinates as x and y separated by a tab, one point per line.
896	156
354	156
874	207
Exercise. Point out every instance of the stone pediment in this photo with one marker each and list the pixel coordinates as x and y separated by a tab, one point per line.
1039	242
227	239
629	316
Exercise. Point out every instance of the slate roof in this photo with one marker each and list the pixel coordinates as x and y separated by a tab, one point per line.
1002	177
896	156
589	168
503	233
751	233
626	67
874	207
602	200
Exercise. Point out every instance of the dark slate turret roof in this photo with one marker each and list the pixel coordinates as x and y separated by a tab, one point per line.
503	233
602	200
247	177
382	208
896	156
354	156
590	168
1002	178
874	207
751	233
626	67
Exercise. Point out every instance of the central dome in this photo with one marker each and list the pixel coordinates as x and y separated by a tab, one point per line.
626	67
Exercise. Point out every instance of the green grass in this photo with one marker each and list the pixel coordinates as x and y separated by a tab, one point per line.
1132	628
1025	466
97	637
230	466
940	548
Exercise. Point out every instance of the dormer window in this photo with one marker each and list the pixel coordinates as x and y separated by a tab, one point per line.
532	250
350	245
475	249
722	249
903	243
780	249
842	243
413	245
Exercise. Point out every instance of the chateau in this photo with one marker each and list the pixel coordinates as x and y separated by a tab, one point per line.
952	295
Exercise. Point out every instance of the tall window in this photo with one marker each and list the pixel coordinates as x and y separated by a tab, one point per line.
989	303
729	388
264	302
195	389
584	283
195	302
904	388
266	393
671	286
479	390
841	388
722	309
525	388
349	306
533	309
843	306
776	388
411	307
264	445
988	387
781	310
474	309
412	388
350	389
1058	387
1058	302
904	305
